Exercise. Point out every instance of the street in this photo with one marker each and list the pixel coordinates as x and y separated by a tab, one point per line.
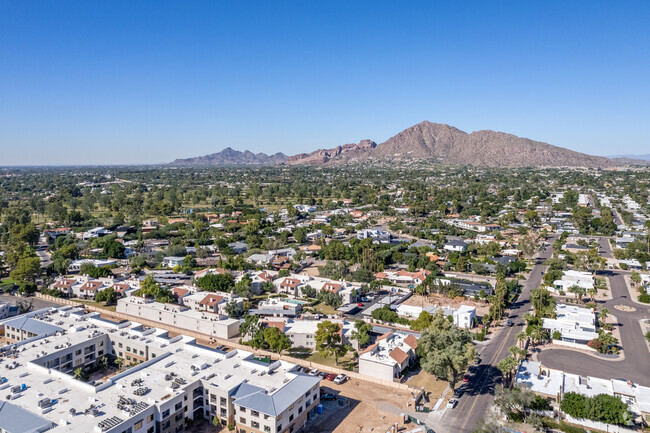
479	392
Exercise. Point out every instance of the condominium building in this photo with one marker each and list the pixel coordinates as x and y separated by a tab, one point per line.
172	380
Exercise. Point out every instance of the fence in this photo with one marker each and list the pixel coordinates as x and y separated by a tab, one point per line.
598	425
353	375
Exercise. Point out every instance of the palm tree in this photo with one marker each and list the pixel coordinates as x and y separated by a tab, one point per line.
119	362
79	373
521	337
592	292
578	291
603	314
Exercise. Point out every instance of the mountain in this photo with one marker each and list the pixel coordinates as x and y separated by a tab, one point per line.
229	156
641	157
428	142
449	145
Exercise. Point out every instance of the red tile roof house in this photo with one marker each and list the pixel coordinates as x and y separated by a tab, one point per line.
89	290
289	285
64	285
121	288
211	303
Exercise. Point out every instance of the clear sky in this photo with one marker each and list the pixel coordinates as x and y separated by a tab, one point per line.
109	82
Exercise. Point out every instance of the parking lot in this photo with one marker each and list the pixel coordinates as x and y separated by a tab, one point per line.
359	407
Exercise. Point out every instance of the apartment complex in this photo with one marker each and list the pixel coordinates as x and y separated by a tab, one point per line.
172	381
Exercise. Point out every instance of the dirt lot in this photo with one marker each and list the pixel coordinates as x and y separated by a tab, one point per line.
361	407
443	301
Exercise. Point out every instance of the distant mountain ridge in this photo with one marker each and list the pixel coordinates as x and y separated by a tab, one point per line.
230	156
645	157
429	141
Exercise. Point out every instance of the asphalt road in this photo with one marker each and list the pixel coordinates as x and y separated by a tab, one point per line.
36	302
635	366
479	392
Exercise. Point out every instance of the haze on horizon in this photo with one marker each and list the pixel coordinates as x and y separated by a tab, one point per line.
147	82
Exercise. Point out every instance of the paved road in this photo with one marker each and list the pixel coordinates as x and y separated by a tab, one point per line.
36	302
44	255
635	366
479	393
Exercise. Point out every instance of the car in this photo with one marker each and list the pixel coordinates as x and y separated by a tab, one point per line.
452	403
359	304
509	322
331	376
364	299
314	372
472	368
466	378
341	378
458	393
327	397
323	374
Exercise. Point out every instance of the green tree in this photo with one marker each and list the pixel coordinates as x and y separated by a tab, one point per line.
216	282
507	366
107	296
328	340
114	249
423	321
445	350
28	268
27	288
276	340
361	332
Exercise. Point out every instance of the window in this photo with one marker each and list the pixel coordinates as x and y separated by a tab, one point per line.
291	407
128	348
149	419
120	345
242	409
77	352
267	429
307	393
290	417
137	425
315	397
165	414
300	409
179	417
242	420
128	358
153	355
255	424
255	413
150	430
291	429
280	427
222	401
178	406
300	399
141	353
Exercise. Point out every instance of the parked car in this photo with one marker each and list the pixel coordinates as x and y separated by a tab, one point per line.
331	376
327	397
466	378
452	403
314	372
509	322
323	374
359	304
341	378
364	299
458	393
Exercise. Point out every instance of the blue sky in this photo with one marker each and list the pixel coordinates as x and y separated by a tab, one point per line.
110	82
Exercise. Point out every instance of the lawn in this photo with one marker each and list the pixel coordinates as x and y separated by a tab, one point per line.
322	308
344	362
8	281
95	304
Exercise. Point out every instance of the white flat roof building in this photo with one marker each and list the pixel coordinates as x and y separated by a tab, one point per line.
577	325
175	380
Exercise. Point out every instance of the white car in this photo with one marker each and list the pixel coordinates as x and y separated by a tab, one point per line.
452	403
314	372
341	378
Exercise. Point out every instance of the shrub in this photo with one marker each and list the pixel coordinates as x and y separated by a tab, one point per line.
568	428
645	298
